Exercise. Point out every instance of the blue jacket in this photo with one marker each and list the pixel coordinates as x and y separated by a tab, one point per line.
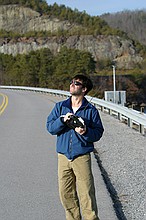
69	142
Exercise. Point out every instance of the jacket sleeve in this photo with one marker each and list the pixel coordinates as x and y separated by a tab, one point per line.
54	122
95	129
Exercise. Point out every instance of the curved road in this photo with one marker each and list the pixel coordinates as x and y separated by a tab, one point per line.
28	161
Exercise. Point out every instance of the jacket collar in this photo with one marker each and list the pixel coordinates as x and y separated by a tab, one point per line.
67	103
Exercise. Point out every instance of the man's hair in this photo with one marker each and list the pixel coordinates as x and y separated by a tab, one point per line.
86	81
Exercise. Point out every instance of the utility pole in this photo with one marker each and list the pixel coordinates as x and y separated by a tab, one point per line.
114	82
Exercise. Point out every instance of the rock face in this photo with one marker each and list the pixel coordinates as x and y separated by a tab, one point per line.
22	20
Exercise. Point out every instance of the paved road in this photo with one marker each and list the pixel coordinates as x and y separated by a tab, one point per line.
28	162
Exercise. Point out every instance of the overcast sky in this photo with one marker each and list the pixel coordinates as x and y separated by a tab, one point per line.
98	7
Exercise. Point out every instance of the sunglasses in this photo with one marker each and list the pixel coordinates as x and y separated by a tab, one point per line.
76	83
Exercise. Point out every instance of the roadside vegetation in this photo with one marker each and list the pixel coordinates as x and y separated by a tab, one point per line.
42	69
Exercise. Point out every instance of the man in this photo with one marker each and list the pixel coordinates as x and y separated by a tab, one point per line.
74	144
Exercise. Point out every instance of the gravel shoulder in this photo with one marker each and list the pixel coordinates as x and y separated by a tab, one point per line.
121	156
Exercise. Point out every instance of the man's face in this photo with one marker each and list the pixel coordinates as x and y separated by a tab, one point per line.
76	87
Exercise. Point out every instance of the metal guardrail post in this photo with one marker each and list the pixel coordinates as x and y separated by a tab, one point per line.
110	112
141	129
102	108
119	116
130	122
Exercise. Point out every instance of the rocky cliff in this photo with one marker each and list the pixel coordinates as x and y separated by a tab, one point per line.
23	20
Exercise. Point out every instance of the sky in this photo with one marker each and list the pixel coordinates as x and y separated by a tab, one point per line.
99	7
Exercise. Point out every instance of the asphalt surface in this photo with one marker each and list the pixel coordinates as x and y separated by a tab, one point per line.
28	162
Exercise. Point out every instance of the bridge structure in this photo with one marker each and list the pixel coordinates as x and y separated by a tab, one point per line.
132	118
28	161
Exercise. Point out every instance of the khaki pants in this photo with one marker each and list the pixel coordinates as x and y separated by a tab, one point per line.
76	185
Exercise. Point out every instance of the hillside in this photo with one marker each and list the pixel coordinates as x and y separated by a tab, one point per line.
131	22
30	30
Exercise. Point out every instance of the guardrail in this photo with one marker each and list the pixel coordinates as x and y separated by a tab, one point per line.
133	119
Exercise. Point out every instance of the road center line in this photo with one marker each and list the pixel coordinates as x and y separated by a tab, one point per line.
4	103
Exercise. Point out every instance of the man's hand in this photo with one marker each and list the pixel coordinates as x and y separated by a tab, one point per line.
80	130
73	123
66	117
